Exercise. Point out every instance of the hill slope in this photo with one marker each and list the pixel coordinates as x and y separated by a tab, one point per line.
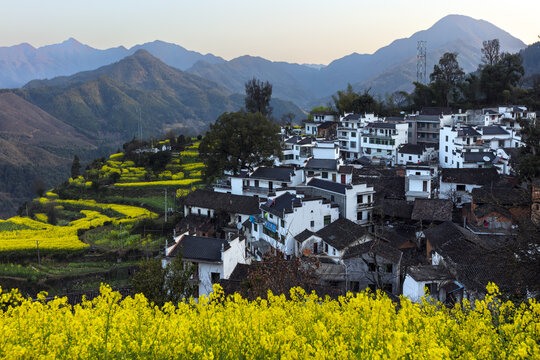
33	145
104	103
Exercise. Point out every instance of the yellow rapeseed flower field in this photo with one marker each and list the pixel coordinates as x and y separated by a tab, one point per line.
360	326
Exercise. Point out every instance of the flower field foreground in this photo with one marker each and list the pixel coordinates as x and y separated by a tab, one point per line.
356	326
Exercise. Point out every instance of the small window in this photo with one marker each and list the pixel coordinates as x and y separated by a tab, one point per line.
199	211
282	223
410	157
215	277
388	268
446	148
446	159
327	220
255	229
312	223
325	175
359	199
326	248
460	187
371	267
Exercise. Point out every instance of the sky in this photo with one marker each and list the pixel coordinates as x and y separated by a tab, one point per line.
302	31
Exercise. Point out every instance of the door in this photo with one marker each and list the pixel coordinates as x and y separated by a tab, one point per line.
424	186
270	186
315	248
334	177
343	178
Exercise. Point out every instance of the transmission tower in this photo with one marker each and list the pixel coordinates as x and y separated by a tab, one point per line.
421	62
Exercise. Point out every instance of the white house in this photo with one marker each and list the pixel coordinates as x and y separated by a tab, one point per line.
414	154
417	182
350	131
430	277
380	140
457	184
208	203
214	258
326	169
297	150
286	215
355	201
324	149
262	182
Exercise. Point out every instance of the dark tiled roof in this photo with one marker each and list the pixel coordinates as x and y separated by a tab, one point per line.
429	272
452	241
486	157
323	164
327	124
363	160
493	130
396	208
467	131
341	233
432	210
501	196
273	173
328	185
376	247
353	117
381	125
490	112
304	235
199	248
292	140
282	203
417	149
486	209
483	176
238	204
322	113
346	169
305	141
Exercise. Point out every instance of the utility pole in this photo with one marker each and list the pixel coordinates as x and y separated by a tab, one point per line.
38	258
165	204
421	62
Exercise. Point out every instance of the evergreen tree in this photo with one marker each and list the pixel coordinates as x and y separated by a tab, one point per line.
75	167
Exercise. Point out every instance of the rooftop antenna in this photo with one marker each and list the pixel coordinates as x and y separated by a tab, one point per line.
421	61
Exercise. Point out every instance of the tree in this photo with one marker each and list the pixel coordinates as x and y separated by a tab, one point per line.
287	119
490	52
501	76
445	77
39	187
75	167
258	95
239	140
344	100
163	284
529	161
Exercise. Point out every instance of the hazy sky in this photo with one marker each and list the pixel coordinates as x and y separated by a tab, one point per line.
303	31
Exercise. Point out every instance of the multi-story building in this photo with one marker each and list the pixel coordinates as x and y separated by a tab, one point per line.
424	129
285	216
350	131
414	154
380	140
262	182
355	201
297	150
417	182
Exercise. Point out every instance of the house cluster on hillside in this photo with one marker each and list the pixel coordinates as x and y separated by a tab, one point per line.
398	204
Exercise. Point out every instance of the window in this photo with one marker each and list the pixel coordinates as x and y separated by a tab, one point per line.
359	216
199	211
460	187
401	155
282	223
446	159
332	198
371	266
326	248
388	268
310	173
255	228
327	219
325	175
353	134
256	183
354	286
312	223
446	148
446	137
353	144
214	277
359	199
410	157
271	216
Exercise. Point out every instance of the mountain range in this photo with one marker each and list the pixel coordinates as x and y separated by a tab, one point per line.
70	98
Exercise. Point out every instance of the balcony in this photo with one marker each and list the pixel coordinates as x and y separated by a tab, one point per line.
222	184
257	189
364	206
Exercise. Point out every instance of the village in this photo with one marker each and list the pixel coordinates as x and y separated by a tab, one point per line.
423	204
